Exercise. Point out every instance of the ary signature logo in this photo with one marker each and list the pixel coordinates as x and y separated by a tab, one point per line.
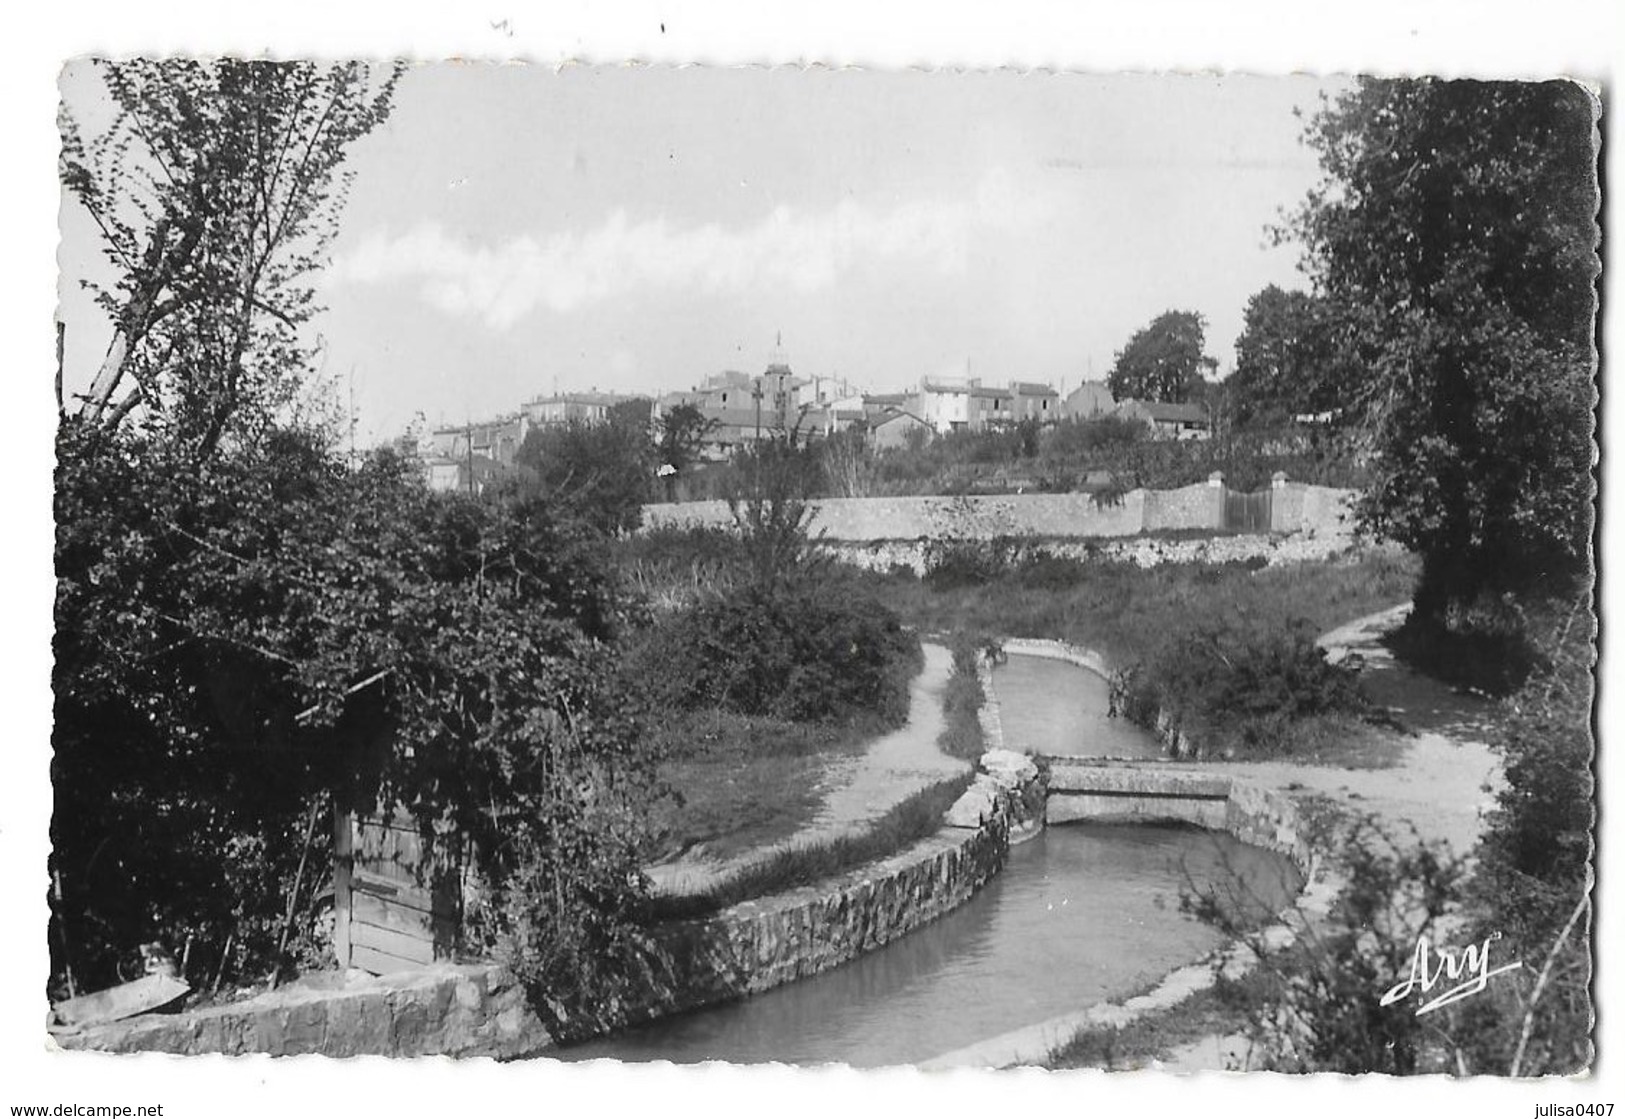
1431	965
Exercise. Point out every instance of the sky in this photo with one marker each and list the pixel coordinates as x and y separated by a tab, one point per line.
514	230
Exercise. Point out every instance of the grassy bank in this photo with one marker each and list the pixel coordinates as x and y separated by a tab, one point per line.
908	822
1122	610
740	782
962	701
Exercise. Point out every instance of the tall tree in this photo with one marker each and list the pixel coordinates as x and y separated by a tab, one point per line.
216	185
1286	359
1454	237
1164	361
595	473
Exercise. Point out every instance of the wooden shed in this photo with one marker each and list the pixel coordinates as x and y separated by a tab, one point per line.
397	898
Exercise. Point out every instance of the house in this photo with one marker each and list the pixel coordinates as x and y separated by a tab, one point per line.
731	430
498	440
1168	421
1034	400
892	430
951	405
572	407
667	401
470	474
819	391
1089	401
878	405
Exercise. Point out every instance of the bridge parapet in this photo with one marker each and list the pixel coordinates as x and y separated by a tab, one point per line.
1097	790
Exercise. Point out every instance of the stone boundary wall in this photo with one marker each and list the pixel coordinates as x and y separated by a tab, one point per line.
1197	506
1296	508
1271	551
479	1010
470	1010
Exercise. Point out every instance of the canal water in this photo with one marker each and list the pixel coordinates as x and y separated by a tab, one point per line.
1049	706
1083	913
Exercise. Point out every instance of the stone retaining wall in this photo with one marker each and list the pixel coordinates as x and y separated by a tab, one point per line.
474	1010
757	945
1295	508
1142	551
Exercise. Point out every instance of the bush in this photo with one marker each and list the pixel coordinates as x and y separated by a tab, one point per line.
1489	644
806	651
244	646
952	562
574	942
1230	691
1315	1005
671	567
1527	896
965	561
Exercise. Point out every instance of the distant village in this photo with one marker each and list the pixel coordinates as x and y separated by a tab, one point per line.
739	409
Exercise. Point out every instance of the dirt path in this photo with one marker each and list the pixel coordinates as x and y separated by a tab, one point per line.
1443	785
860	790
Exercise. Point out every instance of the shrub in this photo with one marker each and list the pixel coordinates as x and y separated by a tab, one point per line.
1231	691
1527	896
966	561
1314	1005
1489	644
805	651
574	943
670	567
240	647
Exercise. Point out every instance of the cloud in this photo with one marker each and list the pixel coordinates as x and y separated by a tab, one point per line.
807	252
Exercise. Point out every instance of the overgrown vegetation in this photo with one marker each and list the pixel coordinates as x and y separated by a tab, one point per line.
1241	692
597	474
1105	456
253	634
1123	610
785	634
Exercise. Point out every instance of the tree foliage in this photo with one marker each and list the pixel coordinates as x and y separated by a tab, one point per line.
679	433
1286	359
277	630
598	473
1454	240
216	186
1164	361
251	632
